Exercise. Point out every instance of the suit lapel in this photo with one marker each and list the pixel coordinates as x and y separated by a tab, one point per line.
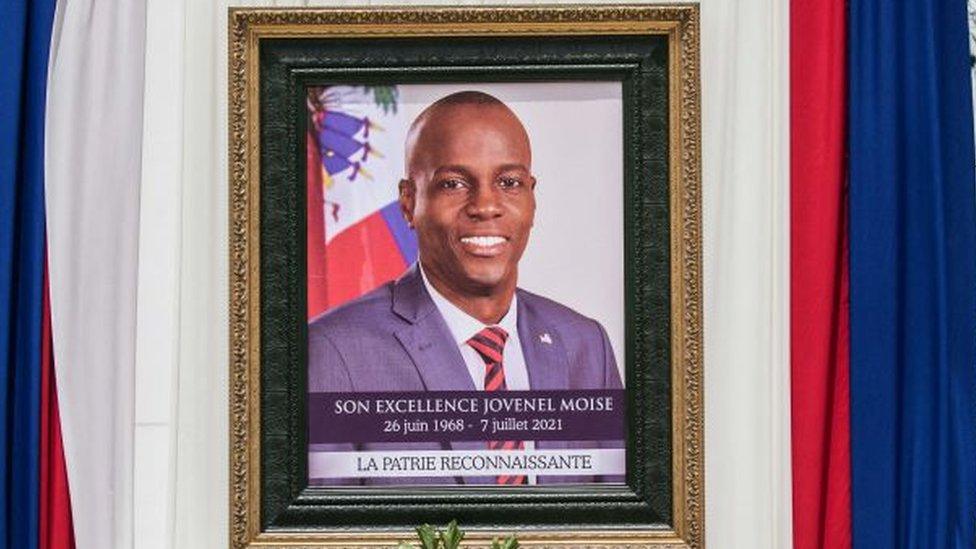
542	347
427	339
438	360
430	345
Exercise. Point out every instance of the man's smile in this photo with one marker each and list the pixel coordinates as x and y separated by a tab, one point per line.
484	245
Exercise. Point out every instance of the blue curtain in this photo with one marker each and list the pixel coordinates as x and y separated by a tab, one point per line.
913	275
25	28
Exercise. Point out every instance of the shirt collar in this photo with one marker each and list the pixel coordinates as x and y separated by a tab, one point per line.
462	325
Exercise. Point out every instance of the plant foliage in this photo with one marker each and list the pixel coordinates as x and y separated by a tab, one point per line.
450	538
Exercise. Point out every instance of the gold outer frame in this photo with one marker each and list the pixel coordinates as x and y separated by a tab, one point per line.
247	27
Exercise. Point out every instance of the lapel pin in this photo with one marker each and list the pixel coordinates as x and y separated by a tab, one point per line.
544	338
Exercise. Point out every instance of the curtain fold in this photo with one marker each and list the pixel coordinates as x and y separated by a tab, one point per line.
819	289
913	266
26	31
745	128
201	421
54	525
92	163
158	291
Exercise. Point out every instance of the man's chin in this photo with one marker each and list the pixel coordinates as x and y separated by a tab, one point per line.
485	282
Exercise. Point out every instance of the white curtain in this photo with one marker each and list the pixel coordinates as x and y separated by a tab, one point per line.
181	481
92	163
745	83
181	439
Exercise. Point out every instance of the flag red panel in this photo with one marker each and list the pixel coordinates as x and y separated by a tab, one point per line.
318	297
361	258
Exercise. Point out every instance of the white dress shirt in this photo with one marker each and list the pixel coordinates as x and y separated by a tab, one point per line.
463	326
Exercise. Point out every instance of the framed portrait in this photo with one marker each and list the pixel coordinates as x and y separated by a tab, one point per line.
465	275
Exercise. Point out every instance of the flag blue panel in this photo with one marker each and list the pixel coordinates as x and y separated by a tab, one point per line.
405	237
26	31
913	275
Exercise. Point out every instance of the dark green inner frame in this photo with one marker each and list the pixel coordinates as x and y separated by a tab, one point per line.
287	68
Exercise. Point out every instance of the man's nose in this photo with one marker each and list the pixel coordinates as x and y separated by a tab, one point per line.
484	202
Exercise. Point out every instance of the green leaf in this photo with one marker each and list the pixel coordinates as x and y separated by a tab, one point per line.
452	536
428	536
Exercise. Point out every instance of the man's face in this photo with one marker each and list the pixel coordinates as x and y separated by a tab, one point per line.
470	197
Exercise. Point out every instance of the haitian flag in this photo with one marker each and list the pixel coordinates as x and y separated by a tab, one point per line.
357	237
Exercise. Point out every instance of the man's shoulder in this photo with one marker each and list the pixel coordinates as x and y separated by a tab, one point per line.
554	313
583	340
366	311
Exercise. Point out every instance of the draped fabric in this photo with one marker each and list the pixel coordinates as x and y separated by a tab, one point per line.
55	530
158	293
819	315
913	266
745	117
201	415
26	30
93	154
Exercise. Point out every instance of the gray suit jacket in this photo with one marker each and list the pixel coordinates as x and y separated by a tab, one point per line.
394	339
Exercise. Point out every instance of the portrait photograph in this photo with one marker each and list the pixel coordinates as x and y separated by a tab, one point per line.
465	275
465	281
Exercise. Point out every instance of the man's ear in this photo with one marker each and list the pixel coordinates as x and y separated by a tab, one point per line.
534	181
408	199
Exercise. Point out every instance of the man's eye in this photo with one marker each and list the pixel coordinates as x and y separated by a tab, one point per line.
509	182
452	184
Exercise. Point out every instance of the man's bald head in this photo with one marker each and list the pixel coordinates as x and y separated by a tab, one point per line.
438	123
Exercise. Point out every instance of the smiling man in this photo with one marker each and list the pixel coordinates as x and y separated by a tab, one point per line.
457	320
470	195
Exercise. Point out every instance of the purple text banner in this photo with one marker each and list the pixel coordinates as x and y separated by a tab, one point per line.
454	416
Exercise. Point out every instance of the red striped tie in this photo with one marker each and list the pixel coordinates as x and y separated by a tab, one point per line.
490	344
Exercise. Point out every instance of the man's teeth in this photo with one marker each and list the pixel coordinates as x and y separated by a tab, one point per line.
483	240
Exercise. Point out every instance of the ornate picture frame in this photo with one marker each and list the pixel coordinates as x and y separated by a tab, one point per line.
653	51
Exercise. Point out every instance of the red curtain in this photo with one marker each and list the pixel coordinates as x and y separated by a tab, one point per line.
55	505
819	317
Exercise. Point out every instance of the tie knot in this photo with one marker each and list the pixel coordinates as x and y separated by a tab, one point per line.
490	343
